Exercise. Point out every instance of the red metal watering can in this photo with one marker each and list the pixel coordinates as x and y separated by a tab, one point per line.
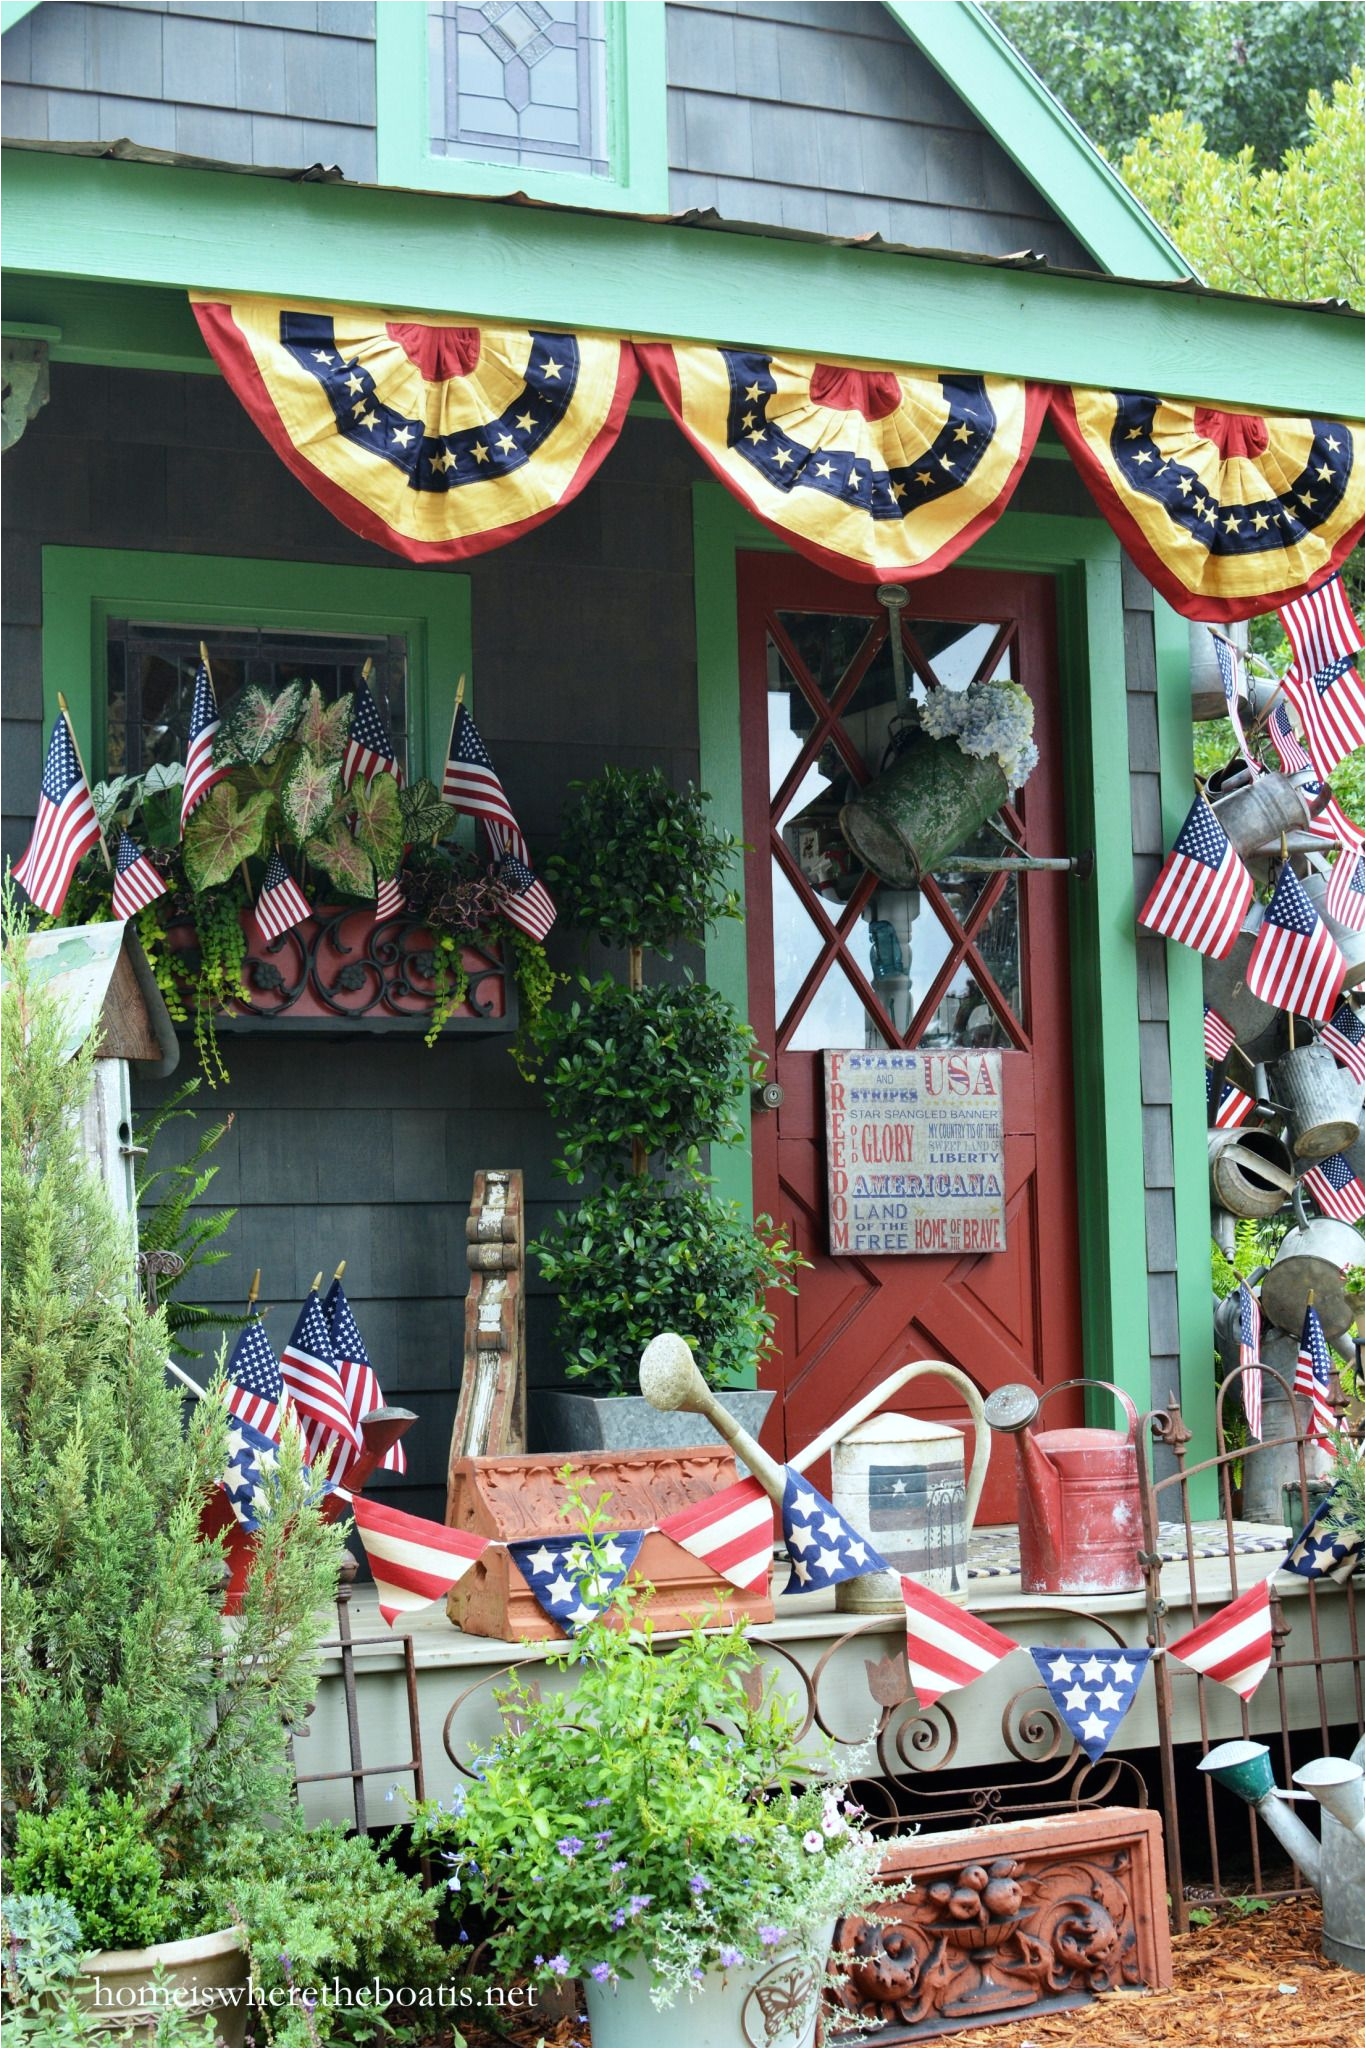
1080	1521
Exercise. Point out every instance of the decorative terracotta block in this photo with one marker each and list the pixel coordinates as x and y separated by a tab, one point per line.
1001	1919
520	1497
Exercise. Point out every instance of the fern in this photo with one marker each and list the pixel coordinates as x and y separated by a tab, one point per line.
170	1222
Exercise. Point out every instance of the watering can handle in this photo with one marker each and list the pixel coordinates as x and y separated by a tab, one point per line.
871	1403
1123	1399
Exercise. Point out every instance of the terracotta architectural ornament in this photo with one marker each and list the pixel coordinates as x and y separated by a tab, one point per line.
510	1498
1002	1918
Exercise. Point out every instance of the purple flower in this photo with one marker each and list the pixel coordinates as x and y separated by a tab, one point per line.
619	1918
697	1884
744	1839
463	1936
569	1846
597	1803
604	1835
728	1956
639	1900
538	1961
309	2003
560	1966
620	1864
769	1935
602	1972
696	1974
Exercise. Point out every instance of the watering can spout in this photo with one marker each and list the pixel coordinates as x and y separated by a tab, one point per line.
1339	1788
1244	1768
1012	1410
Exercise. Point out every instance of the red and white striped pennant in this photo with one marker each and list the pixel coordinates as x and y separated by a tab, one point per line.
1232	1646
731	1533
946	1647
415	1562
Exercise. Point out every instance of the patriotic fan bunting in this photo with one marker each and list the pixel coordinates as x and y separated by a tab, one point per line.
414	1562
1345	897
1345	1037
1092	1690
823	1547
570	1585
1322	1553
731	1532
1232	1646
946	1647
359	1384
1228	514
436	440
878	474
1336	1190
136	882
1295	964
65	827
1313	1376
1203	890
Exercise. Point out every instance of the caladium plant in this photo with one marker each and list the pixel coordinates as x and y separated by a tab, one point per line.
379	820
254	725
311	793
323	728
225	830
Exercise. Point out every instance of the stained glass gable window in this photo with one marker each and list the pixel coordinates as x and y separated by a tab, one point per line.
521	82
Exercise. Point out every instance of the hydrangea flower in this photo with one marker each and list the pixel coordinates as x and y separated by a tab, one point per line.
985	719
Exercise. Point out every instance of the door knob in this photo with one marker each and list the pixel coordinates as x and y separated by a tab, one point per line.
768	1095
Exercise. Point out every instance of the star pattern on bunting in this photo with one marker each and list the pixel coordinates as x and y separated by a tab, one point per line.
570	1584
823	1547
1092	1690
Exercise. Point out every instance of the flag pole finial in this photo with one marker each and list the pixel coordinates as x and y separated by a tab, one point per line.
367	669
254	1290
460	693
317	1283
64	709
341	1269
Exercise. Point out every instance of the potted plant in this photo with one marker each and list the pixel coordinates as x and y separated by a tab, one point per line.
663	1831
640	1079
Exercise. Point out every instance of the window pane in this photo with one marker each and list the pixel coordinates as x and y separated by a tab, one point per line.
518	82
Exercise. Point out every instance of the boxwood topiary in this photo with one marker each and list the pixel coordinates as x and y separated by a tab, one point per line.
640	863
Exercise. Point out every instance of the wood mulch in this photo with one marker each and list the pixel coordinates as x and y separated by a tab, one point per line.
1247	1981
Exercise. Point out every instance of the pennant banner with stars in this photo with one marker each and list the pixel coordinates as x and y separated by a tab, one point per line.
436	440
1227	514
1092	1690
878	474
823	1547
570	1584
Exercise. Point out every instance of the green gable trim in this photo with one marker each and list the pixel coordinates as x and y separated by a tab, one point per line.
1039	135
160	225
637	128
13	11
83	588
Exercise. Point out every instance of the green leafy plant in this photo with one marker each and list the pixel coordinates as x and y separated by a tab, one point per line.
664	1815
176	1238
637	1259
641	864
41	1938
95	1855
254	726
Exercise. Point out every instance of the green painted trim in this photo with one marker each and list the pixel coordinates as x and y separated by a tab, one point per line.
84	587
126	327
1015	107
12	12
151	224
1185	1033
1084	558
636	99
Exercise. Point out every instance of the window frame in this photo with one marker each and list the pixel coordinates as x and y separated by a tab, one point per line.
83	588
637	118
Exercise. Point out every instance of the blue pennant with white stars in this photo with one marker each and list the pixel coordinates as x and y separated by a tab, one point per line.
252	1458
570	1584
1092	1690
823	1547
1322	1553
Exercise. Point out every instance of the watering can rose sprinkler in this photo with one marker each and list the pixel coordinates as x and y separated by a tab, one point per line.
897	1478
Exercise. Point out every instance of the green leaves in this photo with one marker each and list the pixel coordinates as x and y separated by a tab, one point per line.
255	725
310	793
379	821
224	830
322	728
640	864
427	818
344	859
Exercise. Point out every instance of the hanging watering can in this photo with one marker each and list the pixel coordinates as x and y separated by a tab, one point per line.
901	1482
930	800
1250	1172
1312	1257
1257	815
1258	1027
1321	1109
1350	943
1080	1521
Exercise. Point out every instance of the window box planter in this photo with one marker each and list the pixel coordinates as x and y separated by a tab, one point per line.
346	967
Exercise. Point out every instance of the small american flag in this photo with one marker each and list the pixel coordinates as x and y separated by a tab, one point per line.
731	1532
1203	891
1335	1188
136	881
1232	1646
1345	1037
65	827
281	904
309	1370
1320	627
1235	1105
1345	896
254	1386
368	746
1330	822
1218	1035
1227	658
359	1384
1314	1376
526	902
390	901
471	784
1332	709
1294	964
1250	1356
1286	741
200	773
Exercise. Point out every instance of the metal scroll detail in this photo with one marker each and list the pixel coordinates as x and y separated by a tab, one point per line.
347	965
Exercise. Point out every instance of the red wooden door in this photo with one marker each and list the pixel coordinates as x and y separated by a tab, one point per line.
837	959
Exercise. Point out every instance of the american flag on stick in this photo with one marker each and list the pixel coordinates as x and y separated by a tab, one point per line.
1235	1104
1335	1188
368	746
1295	964
65	828
1314	1376
731	1532
1203	891
471	784
527	901
1232	1646
359	1384
1250	1356
1345	896
1345	1037
281	904
1226	655
1219	1040
946	1647
415	1562
200	773
136	882
308	1367
1332	709
389	897
1330	822
254	1386
1286	741
1321	627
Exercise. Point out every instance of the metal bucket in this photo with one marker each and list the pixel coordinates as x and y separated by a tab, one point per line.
1255	817
1250	1172
1321	1114
1313	1256
1351	945
931	799
1207	682
1258	1027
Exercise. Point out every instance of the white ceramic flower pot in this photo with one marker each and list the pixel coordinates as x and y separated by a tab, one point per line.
772	2005
203	1974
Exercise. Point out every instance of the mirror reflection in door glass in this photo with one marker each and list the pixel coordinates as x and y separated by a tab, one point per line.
836	1017
955	650
826	643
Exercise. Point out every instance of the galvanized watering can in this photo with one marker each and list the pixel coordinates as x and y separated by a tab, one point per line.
1080	1520
1312	1257
1257	815
930	800
1250	1173
1321	1110
1258	1027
